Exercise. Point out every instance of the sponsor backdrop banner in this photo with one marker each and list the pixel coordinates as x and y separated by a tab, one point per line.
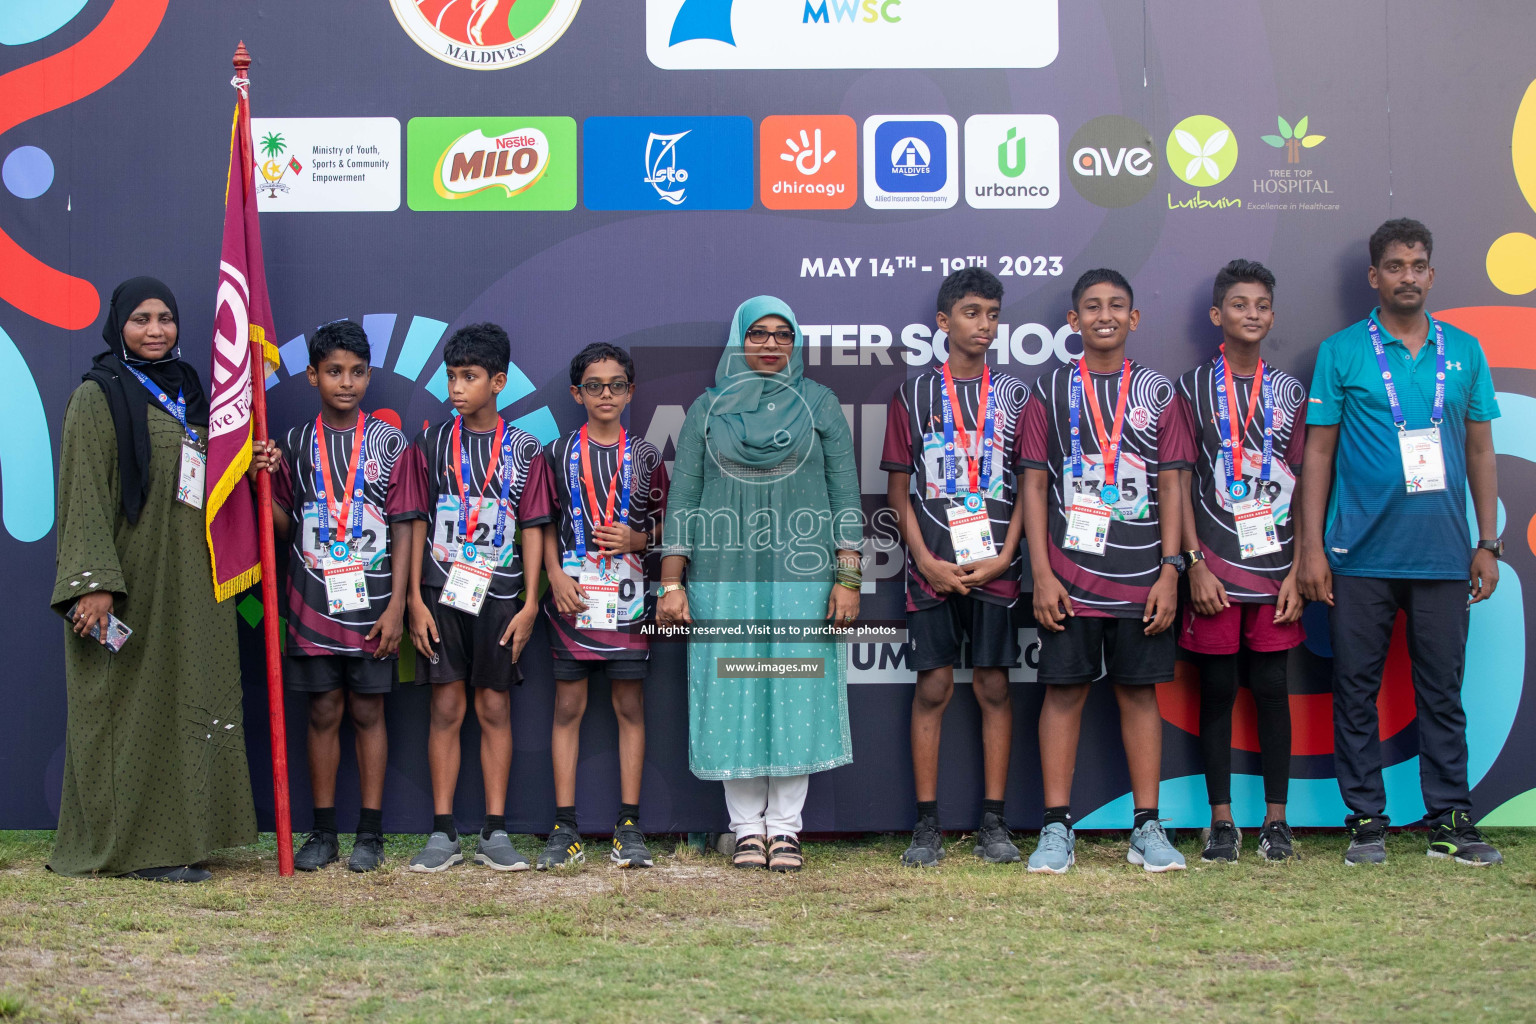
629	172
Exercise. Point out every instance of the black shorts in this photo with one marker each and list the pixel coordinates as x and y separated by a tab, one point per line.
568	669
322	673
1127	655
935	634
469	646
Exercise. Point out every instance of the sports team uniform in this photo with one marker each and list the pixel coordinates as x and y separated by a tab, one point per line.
470	647
915	439
328	647
1252	578
609	636
1109	591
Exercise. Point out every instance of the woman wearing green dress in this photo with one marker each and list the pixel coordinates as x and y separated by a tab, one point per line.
764	514
155	776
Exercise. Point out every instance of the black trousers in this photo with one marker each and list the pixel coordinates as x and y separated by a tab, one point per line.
1361	621
1264	672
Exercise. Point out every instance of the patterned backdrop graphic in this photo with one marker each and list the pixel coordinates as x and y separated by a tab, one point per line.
630	172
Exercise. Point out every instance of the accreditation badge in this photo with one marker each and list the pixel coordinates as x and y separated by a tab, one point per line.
469	580
192	475
970	534
1423	459
1255	528
1087	526
346	584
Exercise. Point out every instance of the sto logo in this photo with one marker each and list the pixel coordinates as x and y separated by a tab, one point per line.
703	19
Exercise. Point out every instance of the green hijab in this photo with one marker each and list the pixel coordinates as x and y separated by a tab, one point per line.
758	419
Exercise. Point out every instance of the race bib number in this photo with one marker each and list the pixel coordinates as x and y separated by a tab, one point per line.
1277	490
468	583
445	533
346	586
933	466
192	475
369	549
1255	529
615	597
970	534
1087	526
1423	459
1133	499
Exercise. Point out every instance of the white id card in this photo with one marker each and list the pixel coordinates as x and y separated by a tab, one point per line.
1255	528
602	590
192	475
1087	526
346	586
467	585
1423	459
970	534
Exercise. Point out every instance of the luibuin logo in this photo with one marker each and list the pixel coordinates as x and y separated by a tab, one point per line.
1293	140
475	162
661	170
1202	150
1010	155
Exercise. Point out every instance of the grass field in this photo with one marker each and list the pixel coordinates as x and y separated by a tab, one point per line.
855	937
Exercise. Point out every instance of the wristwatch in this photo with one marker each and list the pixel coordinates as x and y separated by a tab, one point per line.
667	588
1496	546
1177	561
1192	556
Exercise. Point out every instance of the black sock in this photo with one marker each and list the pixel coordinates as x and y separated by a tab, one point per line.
493	823
370	821
1144	815
444	823
928	809
1058	816
992	807
566	817
629	813
325	820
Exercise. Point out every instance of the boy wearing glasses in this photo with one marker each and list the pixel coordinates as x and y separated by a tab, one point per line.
610	490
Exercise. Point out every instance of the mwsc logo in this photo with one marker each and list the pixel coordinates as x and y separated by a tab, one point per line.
487	34
1111	161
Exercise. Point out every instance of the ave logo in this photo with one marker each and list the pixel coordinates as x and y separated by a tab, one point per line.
1112	161
1012	161
484	35
809	162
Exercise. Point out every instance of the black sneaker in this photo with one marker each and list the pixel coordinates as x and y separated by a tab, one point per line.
1223	843
1457	837
994	843
927	847
1275	842
1367	842
562	850
318	850
629	850
367	852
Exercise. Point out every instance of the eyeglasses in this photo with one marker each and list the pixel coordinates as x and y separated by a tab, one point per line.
595	387
759	336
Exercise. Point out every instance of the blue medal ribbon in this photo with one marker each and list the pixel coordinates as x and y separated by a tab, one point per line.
467	522
321	464
1438	412
1235	485
625	480
975	494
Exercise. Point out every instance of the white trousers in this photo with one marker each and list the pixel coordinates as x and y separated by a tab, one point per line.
769	806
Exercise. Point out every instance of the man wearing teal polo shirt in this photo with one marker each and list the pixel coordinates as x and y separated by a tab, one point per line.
1399	424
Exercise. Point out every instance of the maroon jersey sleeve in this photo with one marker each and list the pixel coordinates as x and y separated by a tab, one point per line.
1176	436
537	506
1298	445
897	454
408	496
282	485
1030	449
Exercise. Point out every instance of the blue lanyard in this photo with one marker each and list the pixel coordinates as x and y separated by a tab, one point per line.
178	409
573	479
1234	479
1438	412
466	474
322	485
973	497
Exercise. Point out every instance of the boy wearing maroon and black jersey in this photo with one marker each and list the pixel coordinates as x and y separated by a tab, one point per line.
1104	553
610	491
345	493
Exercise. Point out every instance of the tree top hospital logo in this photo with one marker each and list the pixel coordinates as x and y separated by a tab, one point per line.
1202	150
1111	161
911	162
485	35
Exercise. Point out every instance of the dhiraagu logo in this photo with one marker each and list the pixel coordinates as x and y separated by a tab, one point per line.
1202	150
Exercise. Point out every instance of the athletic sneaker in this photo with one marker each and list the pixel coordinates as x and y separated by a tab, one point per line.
367	852
927	847
497	853
561	850
1459	838
1275	841
318	850
1151	849
629	849
994	843
1367	842
441	853
1055	852
1223	843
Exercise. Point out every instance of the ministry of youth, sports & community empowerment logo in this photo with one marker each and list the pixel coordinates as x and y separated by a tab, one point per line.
484	35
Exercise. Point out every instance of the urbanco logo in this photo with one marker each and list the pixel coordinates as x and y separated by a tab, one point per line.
1012	161
485	35
491	163
1111	161
808	163
911	162
1202	150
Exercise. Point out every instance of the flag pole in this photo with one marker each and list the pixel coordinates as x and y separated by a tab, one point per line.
269	618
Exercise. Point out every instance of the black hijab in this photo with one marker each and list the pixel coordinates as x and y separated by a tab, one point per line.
128	399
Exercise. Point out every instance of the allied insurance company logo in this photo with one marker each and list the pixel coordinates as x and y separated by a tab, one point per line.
911	162
505	163
485	35
1112	161
808	163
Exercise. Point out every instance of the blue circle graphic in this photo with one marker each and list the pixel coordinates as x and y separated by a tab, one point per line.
28	171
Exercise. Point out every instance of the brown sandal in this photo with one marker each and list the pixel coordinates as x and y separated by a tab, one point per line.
785	855
751	852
